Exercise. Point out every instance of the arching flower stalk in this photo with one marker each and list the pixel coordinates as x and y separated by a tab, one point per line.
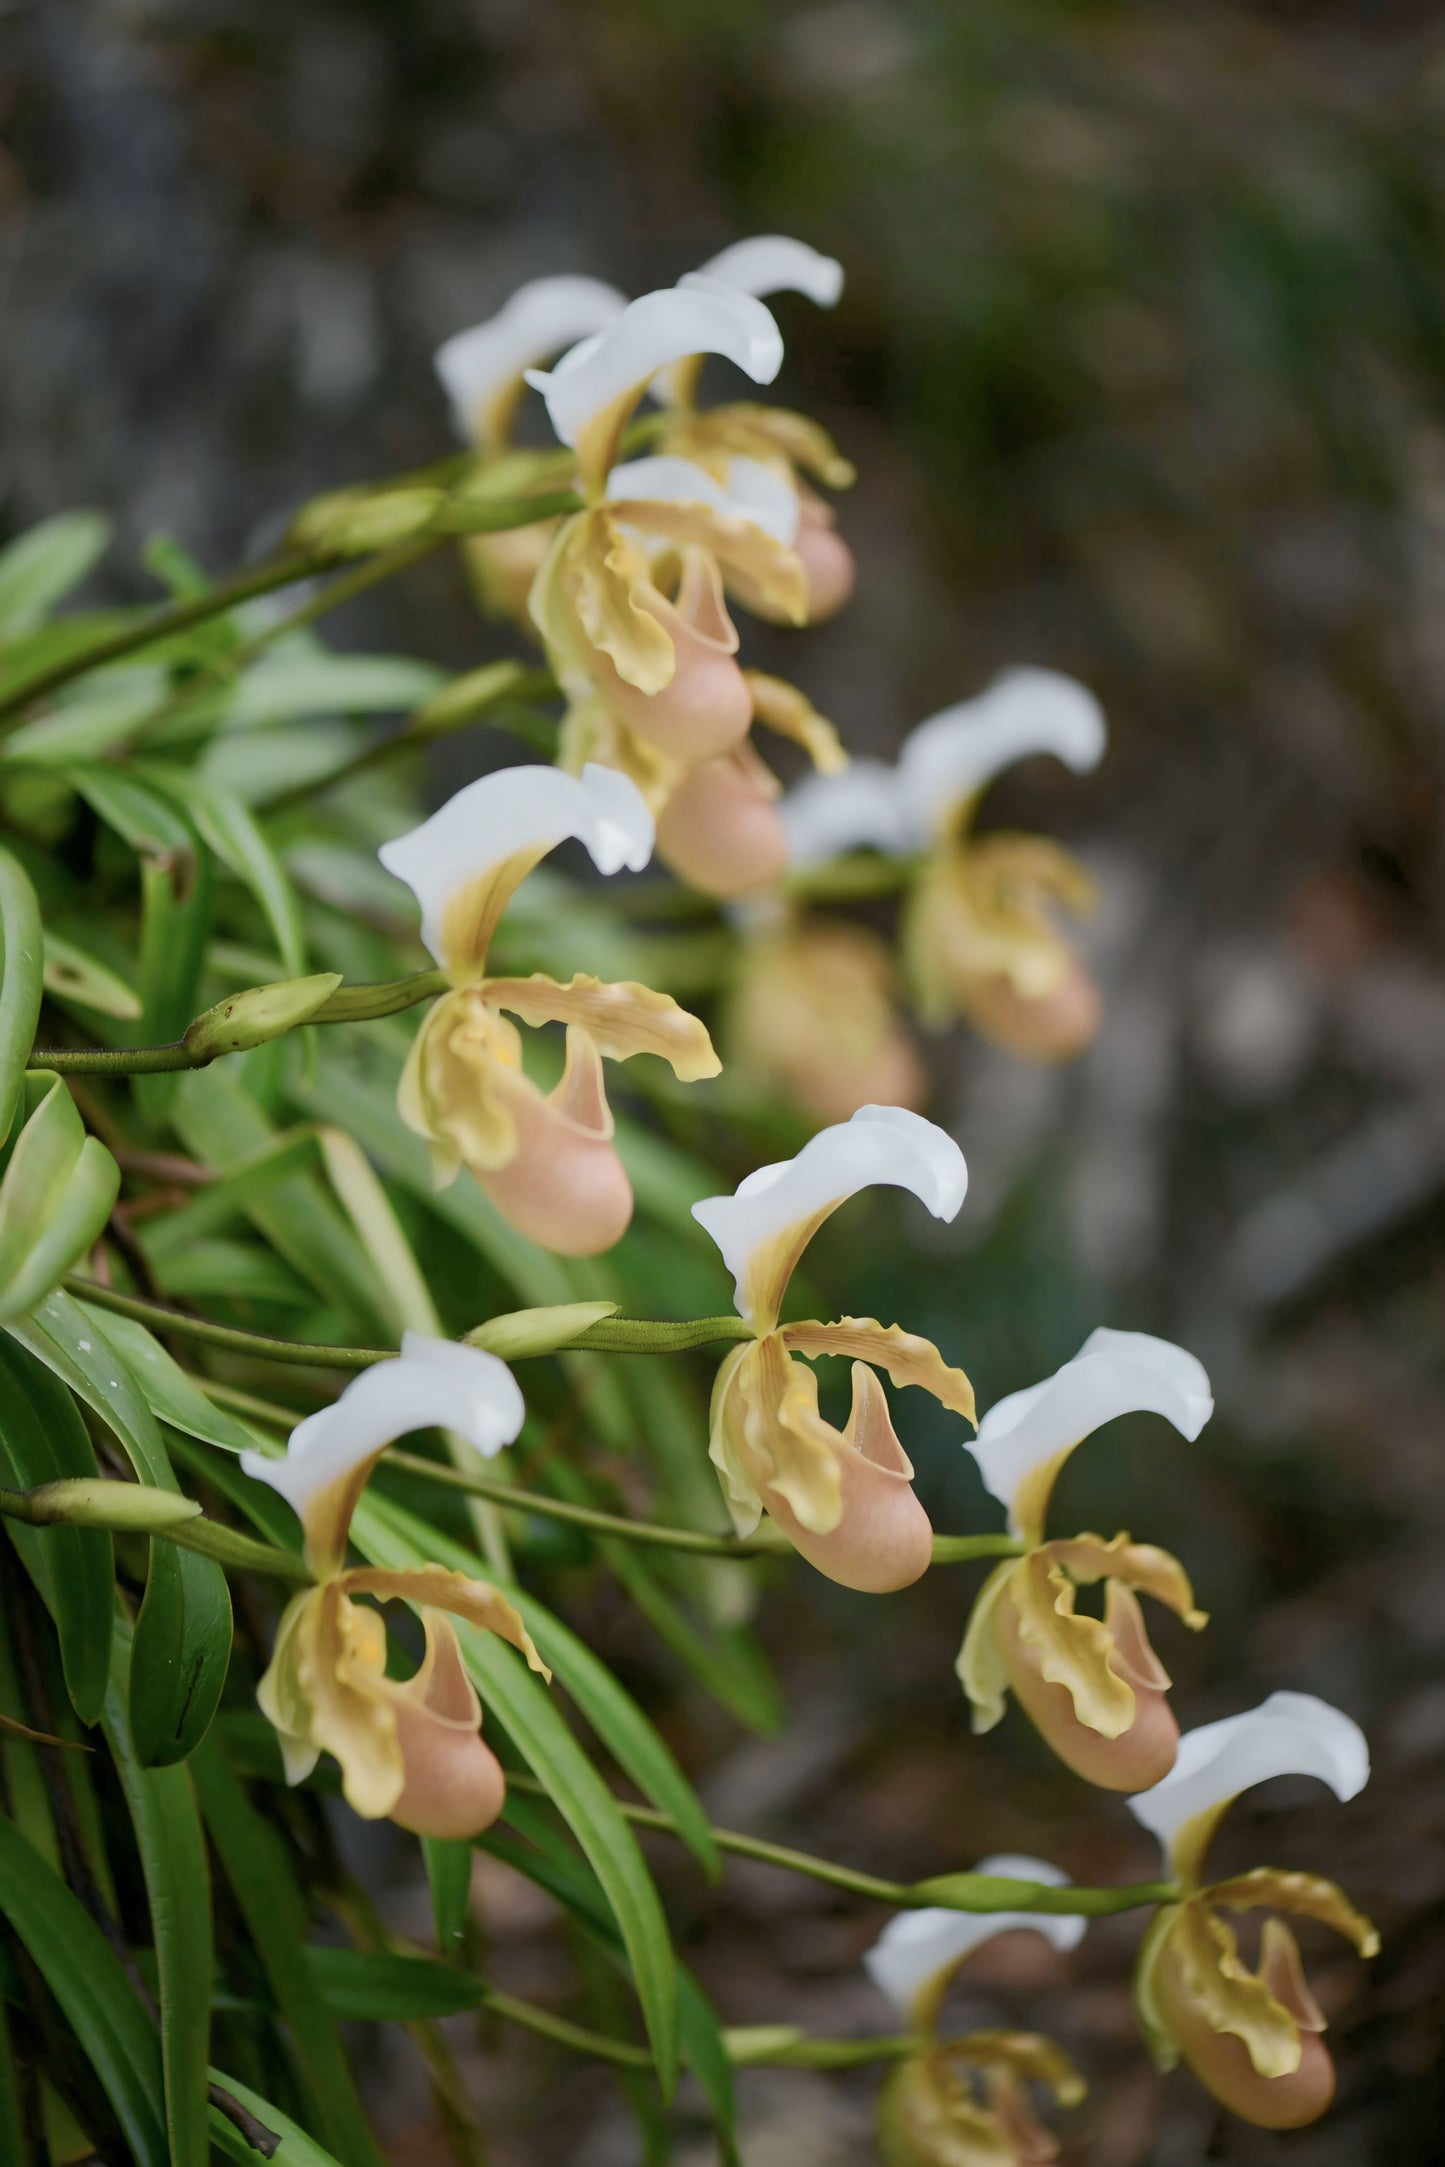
725	439
1252	2037
548	1162
844	1498
483	372
410	1750
964	2102
1093	1686
980	937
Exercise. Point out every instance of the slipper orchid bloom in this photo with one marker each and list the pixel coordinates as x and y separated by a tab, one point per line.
980	936
629	600
1252	2037
844	1498
547	1162
722	438
964	2102
410	1750
482	371
1093	1687
814	1013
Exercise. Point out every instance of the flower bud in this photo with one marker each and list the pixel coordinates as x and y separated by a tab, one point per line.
524	1332
127	1507
260	1013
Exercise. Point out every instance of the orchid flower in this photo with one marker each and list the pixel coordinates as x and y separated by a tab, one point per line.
482	371
963	2102
980	937
1093	1687
844	1498
813	1012
629	600
410	1750
724	438
1252	2037
547	1162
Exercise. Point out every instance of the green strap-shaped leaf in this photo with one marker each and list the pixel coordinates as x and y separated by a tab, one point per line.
532	1720
183	1635
40	568
42	1439
78	979
22	961
171	1395
449	1876
173	1860
296	2148
257	1865
84	1974
58	1190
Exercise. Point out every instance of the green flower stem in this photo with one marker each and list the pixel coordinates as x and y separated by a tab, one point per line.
977	1893
241	1553
568	2035
349	1004
451	520
160	1317
586	1516
783	2046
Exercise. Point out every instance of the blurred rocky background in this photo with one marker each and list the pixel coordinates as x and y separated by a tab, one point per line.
1142	359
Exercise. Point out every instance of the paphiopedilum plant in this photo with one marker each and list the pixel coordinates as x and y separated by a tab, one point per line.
547	1161
410	1750
1094	1687
980	932
964	2102
844	1498
1252	2036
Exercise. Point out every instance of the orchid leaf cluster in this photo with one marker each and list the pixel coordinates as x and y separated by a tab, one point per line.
244	1608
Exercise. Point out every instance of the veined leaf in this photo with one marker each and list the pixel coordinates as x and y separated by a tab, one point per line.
385	1536
183	1635
22	961
42	1439
172	1850
84	1974
58	1190
40	568
257	1865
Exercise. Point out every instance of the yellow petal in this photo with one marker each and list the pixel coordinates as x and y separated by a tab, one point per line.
1231	1998
623	1019
768	1435
984	911
981	1669
1307	1896
592	731
812	1011
1071	1650
761	571
592	594
458	1088
772	434
782	707
1141	1565
341	1671
727	1439
907	1358
439	1588
281	1696
965	2103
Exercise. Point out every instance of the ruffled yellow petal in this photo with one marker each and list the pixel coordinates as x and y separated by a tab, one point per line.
623	1019
340	1671
281	1696
812	1012
439	1588
1305	1896
965	2103
1227	1994
772	434
905	1356
592	593
593	731
1099	1661
732	1398
761	571
1142	1565
782	707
